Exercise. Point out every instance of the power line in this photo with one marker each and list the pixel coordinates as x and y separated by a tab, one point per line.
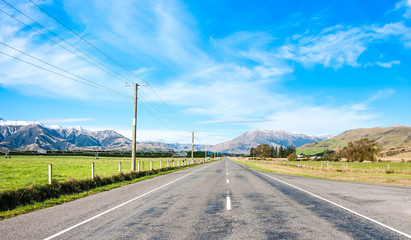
175	118
116	75
85	40
59	74
91	82
119	64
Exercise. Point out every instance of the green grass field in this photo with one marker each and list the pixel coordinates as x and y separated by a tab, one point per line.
22	171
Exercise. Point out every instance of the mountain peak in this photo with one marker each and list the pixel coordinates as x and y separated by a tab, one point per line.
275	138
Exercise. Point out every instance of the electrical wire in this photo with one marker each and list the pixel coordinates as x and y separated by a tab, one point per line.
49	64
61	75
176	119
112	59
114	74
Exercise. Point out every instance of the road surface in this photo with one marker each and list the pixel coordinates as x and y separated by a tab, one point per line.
225	200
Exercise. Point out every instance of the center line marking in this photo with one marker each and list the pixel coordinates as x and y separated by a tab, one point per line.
118	206
228	181
228	203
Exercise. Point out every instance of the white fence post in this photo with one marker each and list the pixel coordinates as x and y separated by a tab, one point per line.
92	170
119	167
138	166
168	163
151	165
160	164
50	173
388	167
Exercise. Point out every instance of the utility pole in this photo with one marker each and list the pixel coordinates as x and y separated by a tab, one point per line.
192	146
133	146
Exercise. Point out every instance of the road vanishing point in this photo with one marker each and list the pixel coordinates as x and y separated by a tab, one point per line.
225	200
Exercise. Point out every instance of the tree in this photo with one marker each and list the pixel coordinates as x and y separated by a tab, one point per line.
292	157
281	152
263	151
252	152
363	149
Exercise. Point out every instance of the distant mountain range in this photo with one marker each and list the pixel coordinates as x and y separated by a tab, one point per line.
395	140
243	143
33	136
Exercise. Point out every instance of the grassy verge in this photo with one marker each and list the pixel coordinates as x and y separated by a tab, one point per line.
354	175
21	209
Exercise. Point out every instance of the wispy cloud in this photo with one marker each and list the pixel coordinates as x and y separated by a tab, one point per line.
404	4
66	120
234	121
319	119
339	45
388	64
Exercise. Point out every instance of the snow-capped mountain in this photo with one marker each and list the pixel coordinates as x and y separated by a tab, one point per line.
26	135
243	143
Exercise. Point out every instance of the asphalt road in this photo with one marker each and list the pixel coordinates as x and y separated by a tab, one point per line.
225	200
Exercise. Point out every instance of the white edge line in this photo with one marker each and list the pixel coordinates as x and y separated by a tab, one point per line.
336	204
118	206
228	203
228	181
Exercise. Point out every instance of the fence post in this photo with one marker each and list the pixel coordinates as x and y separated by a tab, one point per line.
151	165
119	167
174	164
92	170
50	173
138	166
388	167
160	164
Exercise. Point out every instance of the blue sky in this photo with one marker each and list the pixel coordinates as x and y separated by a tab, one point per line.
221	67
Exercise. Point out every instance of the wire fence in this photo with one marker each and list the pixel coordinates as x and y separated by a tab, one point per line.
23	171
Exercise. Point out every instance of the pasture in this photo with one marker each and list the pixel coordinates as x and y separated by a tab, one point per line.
398	173
22	171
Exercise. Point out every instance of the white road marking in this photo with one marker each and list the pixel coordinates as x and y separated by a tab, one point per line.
227	173
338	205
228	181
228	203
118	206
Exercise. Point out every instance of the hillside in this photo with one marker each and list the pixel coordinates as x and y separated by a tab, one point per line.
243	143
393	139
35	136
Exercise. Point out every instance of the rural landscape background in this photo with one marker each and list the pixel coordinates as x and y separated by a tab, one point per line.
300	106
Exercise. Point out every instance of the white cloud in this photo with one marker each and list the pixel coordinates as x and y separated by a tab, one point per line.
234	121
380	95
388	64
339	45
66	120
32	80
319	119
406	4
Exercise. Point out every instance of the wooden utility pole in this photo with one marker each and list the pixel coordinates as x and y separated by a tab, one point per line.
134	140
192	146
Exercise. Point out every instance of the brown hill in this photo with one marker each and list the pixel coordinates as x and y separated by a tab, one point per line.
394	140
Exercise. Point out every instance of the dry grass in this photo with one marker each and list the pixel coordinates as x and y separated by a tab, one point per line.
356	176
